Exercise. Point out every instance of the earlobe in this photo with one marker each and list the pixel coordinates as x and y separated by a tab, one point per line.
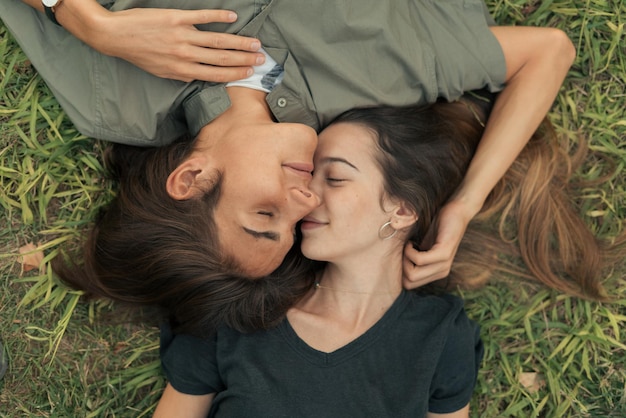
183	181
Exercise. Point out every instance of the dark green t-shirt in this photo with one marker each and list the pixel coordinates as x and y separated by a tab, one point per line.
423	355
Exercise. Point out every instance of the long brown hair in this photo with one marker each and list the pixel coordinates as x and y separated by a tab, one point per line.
529	215
532	214
147	249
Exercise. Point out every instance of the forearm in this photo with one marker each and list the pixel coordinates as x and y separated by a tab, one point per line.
82	18
176	404
532	86
164	42
79	17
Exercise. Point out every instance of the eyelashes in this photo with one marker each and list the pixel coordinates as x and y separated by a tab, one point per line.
266	213
331	180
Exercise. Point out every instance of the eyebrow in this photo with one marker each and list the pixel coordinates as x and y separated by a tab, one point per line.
273	236
338	160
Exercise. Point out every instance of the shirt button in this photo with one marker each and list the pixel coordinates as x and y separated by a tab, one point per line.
282	102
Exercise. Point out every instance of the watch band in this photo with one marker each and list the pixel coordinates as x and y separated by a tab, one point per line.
50	14
49	7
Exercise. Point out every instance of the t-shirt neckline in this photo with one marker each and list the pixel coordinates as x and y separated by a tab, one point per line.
369	337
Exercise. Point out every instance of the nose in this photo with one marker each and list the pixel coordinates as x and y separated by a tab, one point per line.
306	199
316	185
303	201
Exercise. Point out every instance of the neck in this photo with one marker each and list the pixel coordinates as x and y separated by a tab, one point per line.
377	270
355	291
328	319
318	285
363	278
247	102
246	106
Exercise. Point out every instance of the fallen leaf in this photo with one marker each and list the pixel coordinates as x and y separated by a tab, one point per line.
532	381
30	258
119	347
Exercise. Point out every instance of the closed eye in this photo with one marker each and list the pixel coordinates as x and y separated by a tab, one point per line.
264	213
269	235
334	180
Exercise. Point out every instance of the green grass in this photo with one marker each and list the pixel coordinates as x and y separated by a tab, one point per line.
73	359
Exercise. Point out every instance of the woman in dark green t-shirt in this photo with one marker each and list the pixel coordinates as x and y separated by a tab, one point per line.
355	343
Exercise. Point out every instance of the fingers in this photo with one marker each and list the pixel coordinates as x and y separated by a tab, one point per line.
416	276
225	50
198	17
218	40
216	65
438	254
226	57
423	267
208	73
414	284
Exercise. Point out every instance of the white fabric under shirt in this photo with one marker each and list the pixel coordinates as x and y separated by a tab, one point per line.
265	77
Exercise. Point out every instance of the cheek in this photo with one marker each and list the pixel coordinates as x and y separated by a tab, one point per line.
351	208
341	212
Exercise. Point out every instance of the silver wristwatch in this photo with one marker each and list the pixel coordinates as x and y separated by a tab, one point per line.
49	6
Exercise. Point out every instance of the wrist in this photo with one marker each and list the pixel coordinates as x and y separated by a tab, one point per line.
50	7
86	20
467	204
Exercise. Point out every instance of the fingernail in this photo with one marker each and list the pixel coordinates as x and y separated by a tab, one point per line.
232	16
260	59
249	72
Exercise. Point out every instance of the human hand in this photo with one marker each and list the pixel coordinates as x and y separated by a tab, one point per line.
423	267
166	43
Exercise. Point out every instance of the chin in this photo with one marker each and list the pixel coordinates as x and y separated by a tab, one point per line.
312	253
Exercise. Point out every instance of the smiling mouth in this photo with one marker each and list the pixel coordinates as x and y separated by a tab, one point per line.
311	223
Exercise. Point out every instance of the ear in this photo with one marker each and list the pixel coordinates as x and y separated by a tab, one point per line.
183	183
403	216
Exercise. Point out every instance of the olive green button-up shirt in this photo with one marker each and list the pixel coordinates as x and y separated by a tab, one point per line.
336	55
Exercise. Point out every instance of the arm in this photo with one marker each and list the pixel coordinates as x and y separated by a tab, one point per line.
461	413
537	61
163	42
177	404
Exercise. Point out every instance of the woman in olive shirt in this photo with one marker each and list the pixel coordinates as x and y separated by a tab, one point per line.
531	61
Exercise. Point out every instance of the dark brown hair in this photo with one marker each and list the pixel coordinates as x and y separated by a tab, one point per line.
147	249
425	153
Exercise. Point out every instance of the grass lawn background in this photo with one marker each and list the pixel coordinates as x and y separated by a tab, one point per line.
69	358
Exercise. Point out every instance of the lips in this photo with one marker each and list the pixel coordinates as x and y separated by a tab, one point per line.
310	222
301	169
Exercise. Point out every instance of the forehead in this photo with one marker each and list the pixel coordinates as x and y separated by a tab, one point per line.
347	139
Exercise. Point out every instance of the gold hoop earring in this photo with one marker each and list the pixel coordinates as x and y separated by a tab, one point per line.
381	231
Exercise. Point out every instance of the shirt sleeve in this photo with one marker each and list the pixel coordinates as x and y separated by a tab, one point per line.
105	97
190	363
457	370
